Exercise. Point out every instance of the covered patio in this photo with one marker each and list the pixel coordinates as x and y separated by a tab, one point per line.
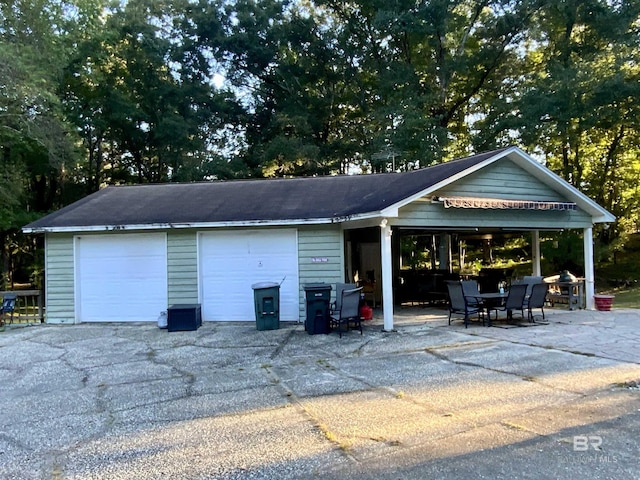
508	193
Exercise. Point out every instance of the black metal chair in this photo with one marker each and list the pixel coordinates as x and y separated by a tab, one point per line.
341	287
471	288
348	317
8	306
516	299
460	305
537	299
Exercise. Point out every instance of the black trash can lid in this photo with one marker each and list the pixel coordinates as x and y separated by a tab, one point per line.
260	285
317	286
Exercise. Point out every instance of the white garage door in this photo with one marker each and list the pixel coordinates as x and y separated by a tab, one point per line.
121	277
230	262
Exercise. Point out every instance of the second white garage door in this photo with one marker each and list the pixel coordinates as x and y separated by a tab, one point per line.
230	262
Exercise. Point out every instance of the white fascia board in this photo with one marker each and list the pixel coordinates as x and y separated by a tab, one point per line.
172	226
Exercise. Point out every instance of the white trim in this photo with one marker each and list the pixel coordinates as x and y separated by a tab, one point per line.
172	226
387	274
589	269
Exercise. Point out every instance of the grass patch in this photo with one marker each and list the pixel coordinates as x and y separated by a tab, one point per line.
514	426
332	437
625	298
325	364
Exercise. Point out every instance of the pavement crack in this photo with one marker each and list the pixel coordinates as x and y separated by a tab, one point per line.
343	445
282	344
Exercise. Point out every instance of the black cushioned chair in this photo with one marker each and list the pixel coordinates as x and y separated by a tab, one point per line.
348	317
537	299
460	305
515	301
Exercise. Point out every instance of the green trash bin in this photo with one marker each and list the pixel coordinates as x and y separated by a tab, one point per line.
266	296
318	298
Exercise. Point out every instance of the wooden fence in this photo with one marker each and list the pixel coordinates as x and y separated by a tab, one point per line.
29	306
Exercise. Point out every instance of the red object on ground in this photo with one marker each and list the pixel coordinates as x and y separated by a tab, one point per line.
366	312
603	302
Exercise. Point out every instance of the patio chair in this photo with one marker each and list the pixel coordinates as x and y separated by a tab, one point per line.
530	281
348	317
340	287
537	298
515	301
8	306
470	288
458	304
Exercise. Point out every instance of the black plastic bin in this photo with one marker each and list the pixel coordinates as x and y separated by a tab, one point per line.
266	296
184	317
318	298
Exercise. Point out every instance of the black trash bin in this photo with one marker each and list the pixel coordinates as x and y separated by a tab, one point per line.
318	296
266	296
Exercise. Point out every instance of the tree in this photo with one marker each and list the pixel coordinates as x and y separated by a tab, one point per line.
144	106
581	108
36	142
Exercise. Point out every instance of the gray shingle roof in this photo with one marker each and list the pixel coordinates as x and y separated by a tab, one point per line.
268	200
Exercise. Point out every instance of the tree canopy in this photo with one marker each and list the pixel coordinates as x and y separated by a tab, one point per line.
98	92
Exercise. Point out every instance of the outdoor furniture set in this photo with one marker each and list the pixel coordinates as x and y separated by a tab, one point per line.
465	299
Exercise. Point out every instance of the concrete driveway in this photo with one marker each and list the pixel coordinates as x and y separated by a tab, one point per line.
123	401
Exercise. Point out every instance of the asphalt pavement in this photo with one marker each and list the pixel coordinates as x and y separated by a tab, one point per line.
556	399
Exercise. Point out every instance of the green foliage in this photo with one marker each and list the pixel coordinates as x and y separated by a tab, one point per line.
95	92
562	251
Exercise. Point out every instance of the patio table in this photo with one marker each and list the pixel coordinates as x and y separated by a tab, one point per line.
488	300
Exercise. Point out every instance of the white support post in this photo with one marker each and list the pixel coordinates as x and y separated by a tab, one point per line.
535	253
589	270
387	275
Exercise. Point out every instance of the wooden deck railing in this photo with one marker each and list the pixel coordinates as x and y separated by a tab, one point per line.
29	306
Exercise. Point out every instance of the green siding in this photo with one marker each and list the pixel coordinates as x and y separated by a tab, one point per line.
59	279
502	179
320	243
182	265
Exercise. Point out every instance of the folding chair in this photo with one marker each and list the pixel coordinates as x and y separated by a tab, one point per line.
8	306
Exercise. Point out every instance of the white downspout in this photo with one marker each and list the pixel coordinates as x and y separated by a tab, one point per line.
589	270
535	253
387	275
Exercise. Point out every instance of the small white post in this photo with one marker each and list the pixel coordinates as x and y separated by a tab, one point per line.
589	270
535	252
387	275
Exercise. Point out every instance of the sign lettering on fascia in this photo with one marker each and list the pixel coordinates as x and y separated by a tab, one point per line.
319	260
